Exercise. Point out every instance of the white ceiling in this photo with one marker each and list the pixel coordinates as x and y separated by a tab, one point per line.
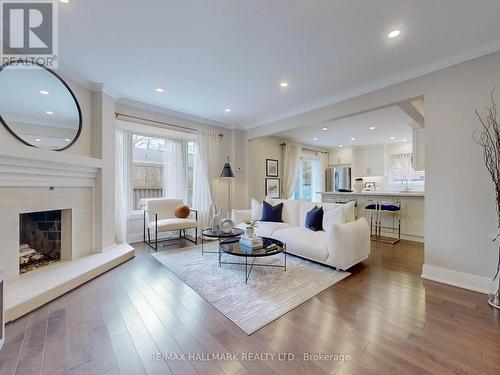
209	55
389	122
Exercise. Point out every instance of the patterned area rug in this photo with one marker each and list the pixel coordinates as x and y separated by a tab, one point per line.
270	293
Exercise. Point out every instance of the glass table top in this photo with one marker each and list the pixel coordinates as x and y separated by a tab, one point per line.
270	247
220	234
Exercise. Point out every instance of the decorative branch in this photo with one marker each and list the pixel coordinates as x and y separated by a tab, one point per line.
489	139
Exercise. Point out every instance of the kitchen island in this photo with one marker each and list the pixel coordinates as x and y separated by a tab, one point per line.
412	208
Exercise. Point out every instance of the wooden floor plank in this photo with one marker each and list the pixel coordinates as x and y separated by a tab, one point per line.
77	347
30	359
14	335
128	360
384	316
54	355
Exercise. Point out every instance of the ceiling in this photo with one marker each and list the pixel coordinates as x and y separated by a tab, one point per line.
388	122
209	55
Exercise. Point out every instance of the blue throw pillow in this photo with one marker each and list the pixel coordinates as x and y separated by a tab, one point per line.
314	219
272	213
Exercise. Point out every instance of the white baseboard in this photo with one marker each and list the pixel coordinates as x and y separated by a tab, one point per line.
459	279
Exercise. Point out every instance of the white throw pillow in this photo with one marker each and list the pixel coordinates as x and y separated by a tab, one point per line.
290	213
333	216
256	209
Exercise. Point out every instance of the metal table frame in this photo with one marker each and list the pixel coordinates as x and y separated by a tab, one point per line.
249	255
219	239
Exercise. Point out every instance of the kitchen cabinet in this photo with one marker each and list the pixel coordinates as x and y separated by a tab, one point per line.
370	162
340	156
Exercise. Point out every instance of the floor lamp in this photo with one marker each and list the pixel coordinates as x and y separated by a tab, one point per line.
227	173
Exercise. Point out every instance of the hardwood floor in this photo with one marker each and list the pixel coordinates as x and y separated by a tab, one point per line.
384	317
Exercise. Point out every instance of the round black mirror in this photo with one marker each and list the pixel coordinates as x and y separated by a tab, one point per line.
38	107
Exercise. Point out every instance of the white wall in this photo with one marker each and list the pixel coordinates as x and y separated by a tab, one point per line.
259	150
460	212
460	209
239	158
103	147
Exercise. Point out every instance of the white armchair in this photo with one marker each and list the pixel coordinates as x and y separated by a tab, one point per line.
159	216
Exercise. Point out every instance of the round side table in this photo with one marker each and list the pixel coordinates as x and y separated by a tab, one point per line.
236	232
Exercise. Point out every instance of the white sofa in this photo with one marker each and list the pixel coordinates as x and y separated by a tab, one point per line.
344	242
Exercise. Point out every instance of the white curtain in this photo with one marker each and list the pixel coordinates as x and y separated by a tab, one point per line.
201	196
121	178
318	175
174	170
209	156
291	160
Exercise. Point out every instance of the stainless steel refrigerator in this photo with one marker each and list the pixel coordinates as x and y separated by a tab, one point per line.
338	178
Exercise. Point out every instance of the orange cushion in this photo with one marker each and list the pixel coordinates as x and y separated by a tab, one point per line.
182	211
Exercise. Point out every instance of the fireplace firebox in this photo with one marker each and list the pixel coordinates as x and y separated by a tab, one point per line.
40	239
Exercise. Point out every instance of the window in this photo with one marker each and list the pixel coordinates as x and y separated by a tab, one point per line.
305	179
147	167
401	171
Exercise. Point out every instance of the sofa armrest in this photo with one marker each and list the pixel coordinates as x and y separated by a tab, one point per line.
349	243
239	216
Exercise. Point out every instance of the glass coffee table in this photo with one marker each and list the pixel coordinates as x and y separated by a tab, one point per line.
220	235
270	247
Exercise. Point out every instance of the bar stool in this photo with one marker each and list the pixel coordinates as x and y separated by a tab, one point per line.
393	209
372	215
377	210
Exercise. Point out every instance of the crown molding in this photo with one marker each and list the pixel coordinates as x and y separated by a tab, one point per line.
169	112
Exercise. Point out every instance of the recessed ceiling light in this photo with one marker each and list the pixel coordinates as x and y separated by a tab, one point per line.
315	138
67	139
394	34
50	113
159	90
392	138
44	92
372	128
284	84
227	110
341	145
353	138
37	140
324	129
64	1
404	140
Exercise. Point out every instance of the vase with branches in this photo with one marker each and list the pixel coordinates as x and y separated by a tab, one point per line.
489	139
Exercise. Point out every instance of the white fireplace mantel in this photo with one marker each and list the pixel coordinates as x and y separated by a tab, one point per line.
28	166
77	181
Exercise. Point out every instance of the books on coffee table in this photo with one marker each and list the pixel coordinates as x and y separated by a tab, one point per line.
251	243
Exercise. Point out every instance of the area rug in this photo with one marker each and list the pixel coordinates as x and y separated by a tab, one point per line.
270	293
